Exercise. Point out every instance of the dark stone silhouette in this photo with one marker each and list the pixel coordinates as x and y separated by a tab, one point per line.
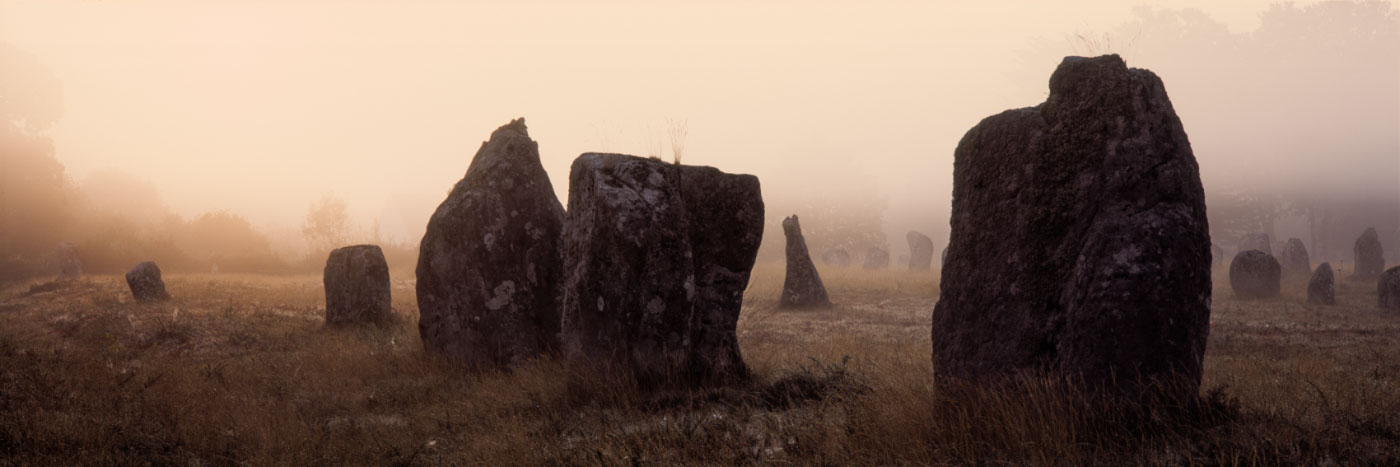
1388	289
145	282
70	266
1257	241
1255	274
836	258
657	256
1370	256
1322	289
356	279
920	251
802	288
1293	258
877	258
1079	243
490	264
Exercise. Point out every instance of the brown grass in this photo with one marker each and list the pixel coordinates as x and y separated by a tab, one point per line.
238	370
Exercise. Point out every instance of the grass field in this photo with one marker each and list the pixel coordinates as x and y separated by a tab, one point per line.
239	370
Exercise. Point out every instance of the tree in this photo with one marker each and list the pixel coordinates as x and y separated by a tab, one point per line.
33	201
327	224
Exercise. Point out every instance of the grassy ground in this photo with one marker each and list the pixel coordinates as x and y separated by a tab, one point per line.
239	370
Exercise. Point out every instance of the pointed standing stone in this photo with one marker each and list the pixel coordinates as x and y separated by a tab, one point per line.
802	287
1322	289
1370	256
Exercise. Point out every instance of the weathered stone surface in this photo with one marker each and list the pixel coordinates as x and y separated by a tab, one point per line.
1257	241
1080	243
1369	255
657	256
70	266
1255	274
1217	255
490	265
1388	289
1322	289
802	287
145	282
1293	258
356	279
836	258
877	258
920	251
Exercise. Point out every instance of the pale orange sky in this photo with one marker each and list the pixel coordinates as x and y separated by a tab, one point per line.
260	107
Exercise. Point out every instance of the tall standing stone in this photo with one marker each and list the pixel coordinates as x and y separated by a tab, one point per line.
877	258
70	266
1255	274
1322	288
1293	258
1257	241
1370	256
920	251
1388	289
657	256
356	279
490	265
1079	244
145	282
802	287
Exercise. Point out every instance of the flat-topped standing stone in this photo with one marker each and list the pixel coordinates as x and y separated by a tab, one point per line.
490	264
356	279
1322	289
657	256
1388	289
1079	243
920	251
1293	258
1255	274
1257	241
802	287
876	258
145	282
1370	255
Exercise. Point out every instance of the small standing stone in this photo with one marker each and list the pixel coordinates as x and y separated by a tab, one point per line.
1293	258
877	258
1388	289
920	251
356	279
802	288
1370	255
1254	274
1322	287
145	283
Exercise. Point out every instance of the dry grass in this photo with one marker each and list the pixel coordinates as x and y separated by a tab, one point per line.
238	370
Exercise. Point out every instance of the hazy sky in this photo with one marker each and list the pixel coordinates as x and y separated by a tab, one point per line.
260	107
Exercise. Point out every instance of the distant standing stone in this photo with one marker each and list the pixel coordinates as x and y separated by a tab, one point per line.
1217	255
70	266
1254	274
802	288
145	283
837	258
920	251
1388	289
356	279
1370	255
1293	258
1322	287
877	258
1257	241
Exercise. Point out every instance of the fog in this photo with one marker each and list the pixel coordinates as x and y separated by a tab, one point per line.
259	109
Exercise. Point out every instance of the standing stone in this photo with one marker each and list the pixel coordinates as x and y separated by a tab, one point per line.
1388	289
490	265
1257	241
70	266
802	288
1079	243
877	258
1254	274
1217	255
657	256
1370	256
356	279
837	258
920	251
145	283
1293	258
1322	288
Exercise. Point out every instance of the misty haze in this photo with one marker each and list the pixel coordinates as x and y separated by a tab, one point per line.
545	233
